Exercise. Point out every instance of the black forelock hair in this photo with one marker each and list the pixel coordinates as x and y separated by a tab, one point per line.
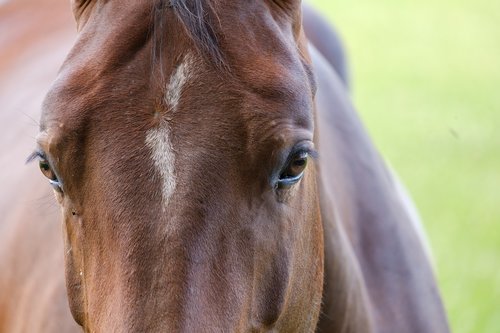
197	17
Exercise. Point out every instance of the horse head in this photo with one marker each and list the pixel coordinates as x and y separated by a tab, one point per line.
179	140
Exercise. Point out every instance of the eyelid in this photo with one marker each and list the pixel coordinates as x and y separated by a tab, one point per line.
286	156
304	147
37	154
40	155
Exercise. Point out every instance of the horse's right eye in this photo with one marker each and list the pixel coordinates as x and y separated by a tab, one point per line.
47	170
50	174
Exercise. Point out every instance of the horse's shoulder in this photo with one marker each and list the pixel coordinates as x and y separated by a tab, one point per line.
32	293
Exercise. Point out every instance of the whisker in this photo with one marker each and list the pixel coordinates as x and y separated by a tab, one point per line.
45	203
31	118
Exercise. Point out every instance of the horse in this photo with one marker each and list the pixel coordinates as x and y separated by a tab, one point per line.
212	176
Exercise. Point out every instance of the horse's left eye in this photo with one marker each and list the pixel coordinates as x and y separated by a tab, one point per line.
50	174
294	170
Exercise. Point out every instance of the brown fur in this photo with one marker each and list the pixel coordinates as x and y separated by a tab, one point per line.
229	252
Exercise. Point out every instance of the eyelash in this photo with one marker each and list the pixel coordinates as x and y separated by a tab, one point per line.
284	181
37	154
47	167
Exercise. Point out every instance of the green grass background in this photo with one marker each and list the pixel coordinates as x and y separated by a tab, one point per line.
426	81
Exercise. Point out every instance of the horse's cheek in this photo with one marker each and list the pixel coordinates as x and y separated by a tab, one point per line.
74	269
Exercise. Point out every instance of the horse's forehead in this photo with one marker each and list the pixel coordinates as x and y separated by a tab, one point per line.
266	64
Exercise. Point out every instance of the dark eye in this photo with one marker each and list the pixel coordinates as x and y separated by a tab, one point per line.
294	170
46	170
50	174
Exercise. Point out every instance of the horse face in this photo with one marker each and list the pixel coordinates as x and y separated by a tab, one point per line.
187	187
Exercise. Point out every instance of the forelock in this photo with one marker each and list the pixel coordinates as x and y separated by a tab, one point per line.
198	17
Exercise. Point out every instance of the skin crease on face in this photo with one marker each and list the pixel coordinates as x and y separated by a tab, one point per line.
174	215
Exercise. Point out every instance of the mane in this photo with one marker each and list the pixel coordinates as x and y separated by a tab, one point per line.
196	16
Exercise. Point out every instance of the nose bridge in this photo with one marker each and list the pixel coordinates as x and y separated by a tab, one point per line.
219	245
197	252
179	276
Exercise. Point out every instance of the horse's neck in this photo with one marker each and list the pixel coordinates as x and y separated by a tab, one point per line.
379	264
345	298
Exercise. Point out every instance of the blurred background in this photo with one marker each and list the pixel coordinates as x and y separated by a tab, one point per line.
425	78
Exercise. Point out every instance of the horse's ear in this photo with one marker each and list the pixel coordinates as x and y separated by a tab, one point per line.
294	9
79	8
289	4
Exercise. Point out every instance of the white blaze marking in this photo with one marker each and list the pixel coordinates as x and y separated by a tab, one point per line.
177	81
158	139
